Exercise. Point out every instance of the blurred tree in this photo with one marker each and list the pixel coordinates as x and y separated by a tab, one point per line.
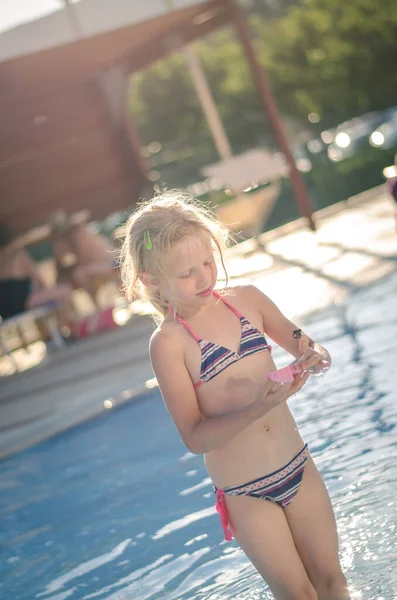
329	57
332	57
165	105
267	8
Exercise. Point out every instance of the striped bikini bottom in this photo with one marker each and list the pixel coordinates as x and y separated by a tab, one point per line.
280	487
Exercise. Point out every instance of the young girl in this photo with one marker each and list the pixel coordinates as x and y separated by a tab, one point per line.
219	382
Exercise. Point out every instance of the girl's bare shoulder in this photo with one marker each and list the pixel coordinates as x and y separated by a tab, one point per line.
241	295
169	332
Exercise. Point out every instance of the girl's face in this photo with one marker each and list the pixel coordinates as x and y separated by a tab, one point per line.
191	273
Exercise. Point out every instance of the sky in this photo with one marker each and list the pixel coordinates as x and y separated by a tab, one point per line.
16	12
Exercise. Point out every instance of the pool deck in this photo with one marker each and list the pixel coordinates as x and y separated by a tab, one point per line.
355	245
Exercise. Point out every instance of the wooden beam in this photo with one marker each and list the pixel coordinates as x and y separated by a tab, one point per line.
95	199
57	68
176	38
270	106
41	138
113	85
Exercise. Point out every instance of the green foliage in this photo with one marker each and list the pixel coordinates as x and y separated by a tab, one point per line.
164	103
332	57
166	107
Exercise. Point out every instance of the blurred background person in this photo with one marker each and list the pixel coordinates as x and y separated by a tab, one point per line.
83	258
21	285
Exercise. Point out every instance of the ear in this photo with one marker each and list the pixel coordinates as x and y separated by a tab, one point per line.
148	280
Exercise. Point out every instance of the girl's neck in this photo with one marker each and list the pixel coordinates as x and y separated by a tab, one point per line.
188	312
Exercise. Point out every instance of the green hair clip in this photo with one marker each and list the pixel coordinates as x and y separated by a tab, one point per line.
147	239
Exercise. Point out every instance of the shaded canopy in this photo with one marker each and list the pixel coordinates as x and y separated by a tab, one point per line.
66	138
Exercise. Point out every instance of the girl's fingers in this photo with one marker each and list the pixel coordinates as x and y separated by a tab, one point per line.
282	391
296	386
276	386
308	360
311	362
308	354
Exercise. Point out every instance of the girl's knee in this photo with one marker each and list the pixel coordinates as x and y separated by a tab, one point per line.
305	591
308	593
332	584
295	589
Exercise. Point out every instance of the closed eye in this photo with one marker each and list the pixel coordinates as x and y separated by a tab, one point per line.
206	264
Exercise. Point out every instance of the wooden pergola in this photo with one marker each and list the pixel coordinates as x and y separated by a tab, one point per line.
67	139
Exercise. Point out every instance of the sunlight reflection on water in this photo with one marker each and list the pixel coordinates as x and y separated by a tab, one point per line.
117	509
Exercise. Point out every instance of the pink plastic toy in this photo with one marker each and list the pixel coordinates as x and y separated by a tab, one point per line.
284	375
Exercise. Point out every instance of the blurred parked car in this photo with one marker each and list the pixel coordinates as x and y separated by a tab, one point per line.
385	136
346	139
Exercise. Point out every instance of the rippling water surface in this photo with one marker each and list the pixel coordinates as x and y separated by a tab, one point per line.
117	509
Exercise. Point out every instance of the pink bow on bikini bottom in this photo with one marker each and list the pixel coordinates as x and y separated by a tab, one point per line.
222	512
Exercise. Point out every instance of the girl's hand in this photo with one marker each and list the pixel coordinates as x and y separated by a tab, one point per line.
267	394
309	359
270	395
299	381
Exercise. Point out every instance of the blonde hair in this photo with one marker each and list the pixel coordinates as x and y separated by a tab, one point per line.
168	218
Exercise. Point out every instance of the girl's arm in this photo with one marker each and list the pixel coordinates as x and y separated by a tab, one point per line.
199	434
309	353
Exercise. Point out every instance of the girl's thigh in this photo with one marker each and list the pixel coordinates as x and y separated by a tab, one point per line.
261	529
312	524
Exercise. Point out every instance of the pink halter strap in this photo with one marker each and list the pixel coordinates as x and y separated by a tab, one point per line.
178	318
234	310
183	322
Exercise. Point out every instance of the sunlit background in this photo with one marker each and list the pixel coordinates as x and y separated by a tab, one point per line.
282	118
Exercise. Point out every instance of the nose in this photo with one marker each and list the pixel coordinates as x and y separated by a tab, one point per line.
202	281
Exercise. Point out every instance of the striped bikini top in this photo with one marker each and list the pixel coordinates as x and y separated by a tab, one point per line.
215	358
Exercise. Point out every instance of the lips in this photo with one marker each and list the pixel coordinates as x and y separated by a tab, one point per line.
205	292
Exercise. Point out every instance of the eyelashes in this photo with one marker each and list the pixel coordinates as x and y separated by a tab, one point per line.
206	264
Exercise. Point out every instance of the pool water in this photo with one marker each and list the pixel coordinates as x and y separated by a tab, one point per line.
118	509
